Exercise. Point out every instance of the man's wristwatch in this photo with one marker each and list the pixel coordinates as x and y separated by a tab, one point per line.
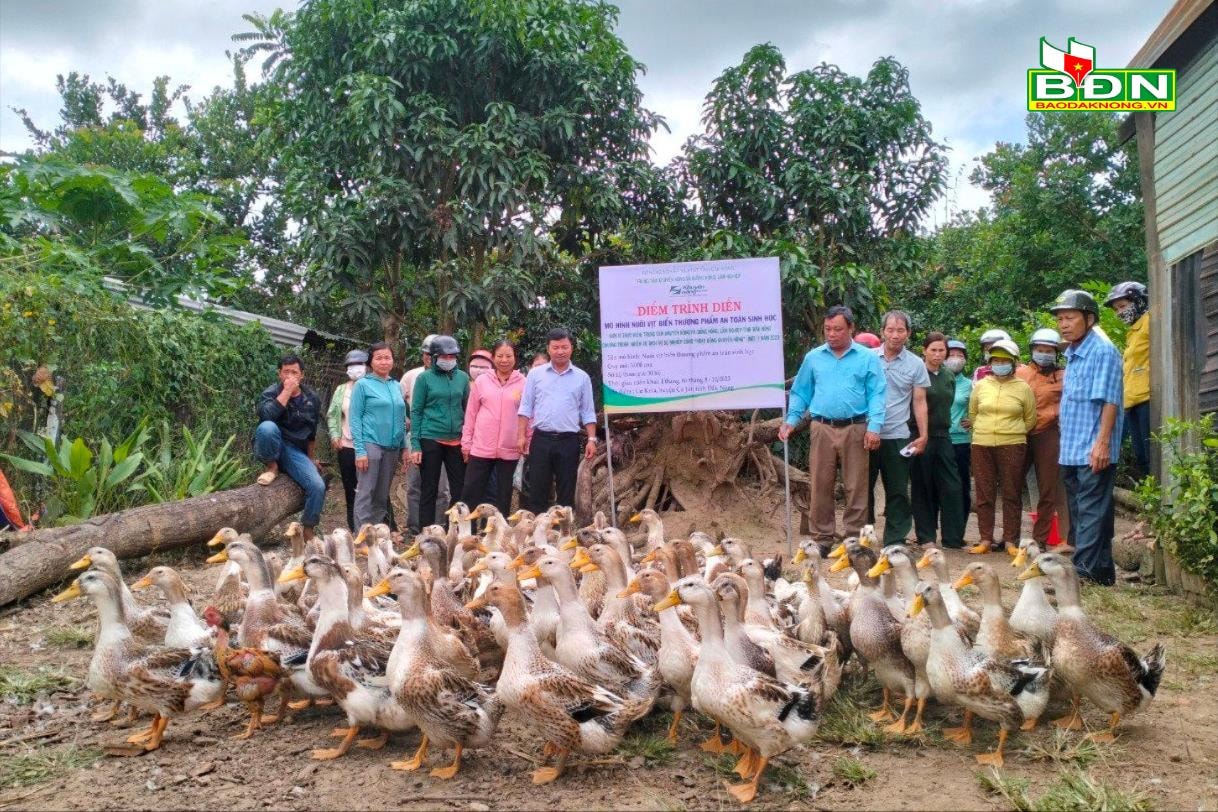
592	440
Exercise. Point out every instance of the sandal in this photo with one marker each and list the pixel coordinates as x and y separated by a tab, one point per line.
267	477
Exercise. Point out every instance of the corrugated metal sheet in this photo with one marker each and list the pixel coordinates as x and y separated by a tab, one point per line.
1186	160
283	333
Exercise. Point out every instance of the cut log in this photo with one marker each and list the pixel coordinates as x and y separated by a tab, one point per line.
43	556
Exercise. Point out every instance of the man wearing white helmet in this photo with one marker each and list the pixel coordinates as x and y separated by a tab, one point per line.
987	340
1044	375
414	487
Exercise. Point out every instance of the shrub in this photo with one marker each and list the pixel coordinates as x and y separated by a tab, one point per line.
70	343
1184	515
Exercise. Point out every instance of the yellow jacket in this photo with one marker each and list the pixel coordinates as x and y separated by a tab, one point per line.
1137	362
1002	411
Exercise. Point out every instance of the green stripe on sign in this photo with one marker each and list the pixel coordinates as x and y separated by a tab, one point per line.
616	399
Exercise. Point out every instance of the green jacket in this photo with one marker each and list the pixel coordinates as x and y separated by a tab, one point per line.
437	406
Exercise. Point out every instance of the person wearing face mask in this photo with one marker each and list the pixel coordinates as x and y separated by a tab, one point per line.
986	341
338	420
1002	410
959	433
935	487
437	415
378	435
1132	305
1044	376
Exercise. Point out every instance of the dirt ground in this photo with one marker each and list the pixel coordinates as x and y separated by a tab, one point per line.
1165	758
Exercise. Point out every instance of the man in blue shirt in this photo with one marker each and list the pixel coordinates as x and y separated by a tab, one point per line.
1092	395
557	398
841	385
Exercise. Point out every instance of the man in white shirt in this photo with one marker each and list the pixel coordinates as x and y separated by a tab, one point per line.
414	485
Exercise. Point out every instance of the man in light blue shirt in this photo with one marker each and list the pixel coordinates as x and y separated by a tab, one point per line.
557	398
841	385
1092	397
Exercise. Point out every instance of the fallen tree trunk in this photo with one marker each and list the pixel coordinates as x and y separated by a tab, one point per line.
43	556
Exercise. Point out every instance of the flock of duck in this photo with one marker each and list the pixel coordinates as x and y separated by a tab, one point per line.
579	634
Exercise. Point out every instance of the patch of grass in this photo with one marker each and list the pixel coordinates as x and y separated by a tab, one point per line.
723	765
36	766
1189	663
853	772
1075	790
1010	788
789	778
655	749
1117	611
1063	750
68	637
846	719
23	687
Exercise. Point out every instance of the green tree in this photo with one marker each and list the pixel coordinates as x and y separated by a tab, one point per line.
1065	210
60	217
830	172
429	146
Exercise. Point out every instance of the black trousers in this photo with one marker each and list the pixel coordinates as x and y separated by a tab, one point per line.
350	477
436	456
478	473
964	464
553	462
346	469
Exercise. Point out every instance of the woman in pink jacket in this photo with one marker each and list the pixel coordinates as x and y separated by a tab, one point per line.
488	437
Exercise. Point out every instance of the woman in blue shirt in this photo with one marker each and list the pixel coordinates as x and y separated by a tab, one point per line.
960	431
378	431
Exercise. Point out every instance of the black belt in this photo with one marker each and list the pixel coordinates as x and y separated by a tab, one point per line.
842	423
556	435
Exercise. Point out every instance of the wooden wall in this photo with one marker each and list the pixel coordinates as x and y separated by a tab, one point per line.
1186	160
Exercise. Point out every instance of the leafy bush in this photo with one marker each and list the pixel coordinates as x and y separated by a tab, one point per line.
119	366
83	484
193	470
1184	515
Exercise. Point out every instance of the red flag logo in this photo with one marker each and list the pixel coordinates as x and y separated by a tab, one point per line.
1076	62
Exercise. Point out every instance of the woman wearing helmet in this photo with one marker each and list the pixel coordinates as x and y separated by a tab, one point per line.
986	341
961	436
1131	303
437	414
1002	410
1044	376
338	420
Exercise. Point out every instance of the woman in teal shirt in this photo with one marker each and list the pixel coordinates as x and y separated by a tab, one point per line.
961	430
378	431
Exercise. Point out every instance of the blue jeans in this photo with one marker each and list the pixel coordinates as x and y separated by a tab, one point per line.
1137	429
270	447
1089	499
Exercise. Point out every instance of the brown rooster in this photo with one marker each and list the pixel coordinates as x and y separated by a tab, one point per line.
254	674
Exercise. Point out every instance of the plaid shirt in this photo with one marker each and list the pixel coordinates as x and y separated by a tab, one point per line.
1093	378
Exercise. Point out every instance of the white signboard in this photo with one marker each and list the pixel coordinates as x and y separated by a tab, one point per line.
686	336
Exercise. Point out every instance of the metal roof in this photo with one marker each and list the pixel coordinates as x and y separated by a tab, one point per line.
1177	22
283	333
